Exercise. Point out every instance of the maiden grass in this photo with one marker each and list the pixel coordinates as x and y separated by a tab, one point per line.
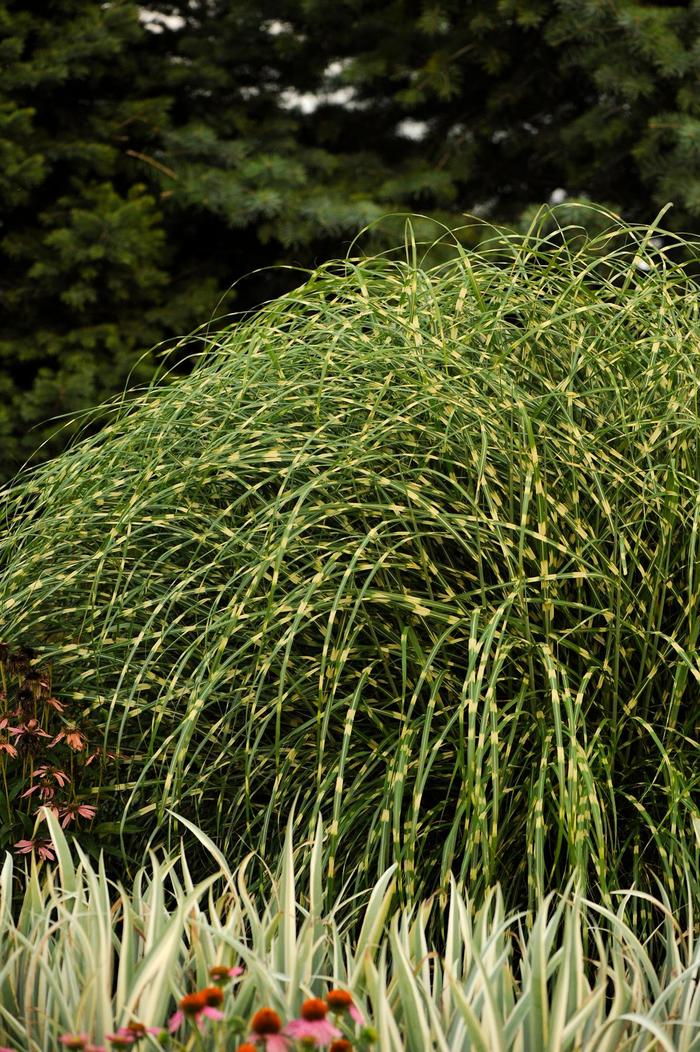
418	547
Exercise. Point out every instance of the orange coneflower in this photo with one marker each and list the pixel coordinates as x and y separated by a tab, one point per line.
74	738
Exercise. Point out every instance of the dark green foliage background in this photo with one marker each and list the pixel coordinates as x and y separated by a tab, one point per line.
149	162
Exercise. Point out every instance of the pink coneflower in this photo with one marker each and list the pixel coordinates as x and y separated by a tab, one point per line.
341	1001
74	738
43	848
72	811
131	1033
44	787
266	1026
121	1040
221	973
198	1006
8	748
46	771
313	1023
39	813
59	706
74	1040
29	732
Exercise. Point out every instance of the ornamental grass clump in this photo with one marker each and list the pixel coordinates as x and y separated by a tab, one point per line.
414	545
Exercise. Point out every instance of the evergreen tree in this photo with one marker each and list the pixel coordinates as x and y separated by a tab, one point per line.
151	157
84	256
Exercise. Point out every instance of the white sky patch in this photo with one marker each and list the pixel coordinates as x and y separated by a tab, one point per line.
157	22
409	128
276	26
309	101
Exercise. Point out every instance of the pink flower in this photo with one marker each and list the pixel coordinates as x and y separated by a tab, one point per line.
44	787
220	973
313	1023
74	1040
131	1033
273	1042
320	1029
29	730
199	1006
11	751
176	1020
71	811
265	1027
341	1001
46	771
44	848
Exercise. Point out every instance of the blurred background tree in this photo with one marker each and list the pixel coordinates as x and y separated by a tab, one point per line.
153	156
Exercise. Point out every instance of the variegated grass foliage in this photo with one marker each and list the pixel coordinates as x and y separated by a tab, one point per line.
418	544
80	954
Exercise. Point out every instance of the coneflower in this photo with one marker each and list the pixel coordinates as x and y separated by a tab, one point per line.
133	1032
198	1007
74	1040
313	1023
221	973
341	1001
72	811
266	1026
43	848
74	738
28	736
